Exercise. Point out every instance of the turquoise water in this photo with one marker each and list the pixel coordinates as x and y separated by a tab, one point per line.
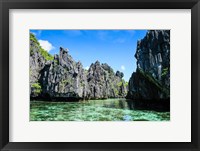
92	110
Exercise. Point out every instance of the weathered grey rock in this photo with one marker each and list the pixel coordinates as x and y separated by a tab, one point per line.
103	82
120	74
152	77
60	78
64	78
37	63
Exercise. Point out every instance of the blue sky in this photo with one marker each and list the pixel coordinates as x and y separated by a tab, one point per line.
114	47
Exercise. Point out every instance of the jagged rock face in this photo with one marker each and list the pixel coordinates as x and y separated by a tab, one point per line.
103	83
152	77
60	77
63	77
37	62
119	74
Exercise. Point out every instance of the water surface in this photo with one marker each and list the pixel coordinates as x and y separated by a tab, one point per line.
92	110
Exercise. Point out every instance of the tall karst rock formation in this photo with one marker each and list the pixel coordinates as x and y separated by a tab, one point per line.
61	78
151	81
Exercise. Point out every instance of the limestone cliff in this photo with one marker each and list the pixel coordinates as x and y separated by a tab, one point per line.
151	81
61	78
37	60
104	83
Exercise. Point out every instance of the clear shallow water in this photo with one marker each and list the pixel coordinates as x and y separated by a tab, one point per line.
92	110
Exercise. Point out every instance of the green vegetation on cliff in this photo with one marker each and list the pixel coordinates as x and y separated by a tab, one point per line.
63	77
37	89
33	38
164	72
154	82
43	52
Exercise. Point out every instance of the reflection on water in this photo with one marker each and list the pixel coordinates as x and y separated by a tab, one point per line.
93	110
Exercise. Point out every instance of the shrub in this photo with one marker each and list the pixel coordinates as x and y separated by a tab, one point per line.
31	52
119	84
37	89
164	71
33	38
116	91
45	54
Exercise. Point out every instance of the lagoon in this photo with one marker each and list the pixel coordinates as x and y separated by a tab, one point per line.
93	110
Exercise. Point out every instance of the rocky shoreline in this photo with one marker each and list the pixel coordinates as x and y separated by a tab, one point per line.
151	81
61	78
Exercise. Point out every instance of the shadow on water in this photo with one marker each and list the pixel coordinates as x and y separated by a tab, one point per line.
158	105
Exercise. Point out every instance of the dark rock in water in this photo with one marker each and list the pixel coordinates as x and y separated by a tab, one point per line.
60	78
151	81
156	105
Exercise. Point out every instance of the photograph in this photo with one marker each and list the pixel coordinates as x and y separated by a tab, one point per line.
99	75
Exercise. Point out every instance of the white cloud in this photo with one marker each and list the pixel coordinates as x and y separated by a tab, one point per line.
46	45
123	67
87	67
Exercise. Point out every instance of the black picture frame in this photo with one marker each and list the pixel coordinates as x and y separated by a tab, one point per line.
5	5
